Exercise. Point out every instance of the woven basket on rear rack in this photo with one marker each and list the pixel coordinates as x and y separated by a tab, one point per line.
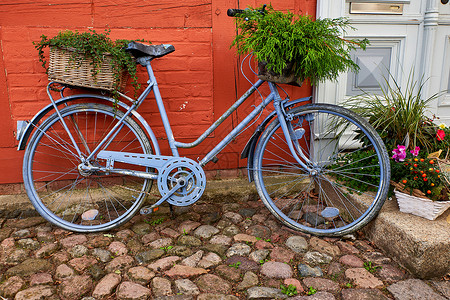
63	68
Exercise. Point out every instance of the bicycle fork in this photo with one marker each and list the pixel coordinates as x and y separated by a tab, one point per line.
292	136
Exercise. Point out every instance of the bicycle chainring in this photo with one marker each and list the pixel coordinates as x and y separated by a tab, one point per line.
184	170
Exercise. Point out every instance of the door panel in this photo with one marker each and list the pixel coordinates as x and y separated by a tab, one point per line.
440	81
417	42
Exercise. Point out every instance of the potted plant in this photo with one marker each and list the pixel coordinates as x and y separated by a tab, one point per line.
400	114
289	44
418	180
87	59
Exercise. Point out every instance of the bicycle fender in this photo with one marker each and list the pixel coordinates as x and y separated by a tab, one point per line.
49	108
249	149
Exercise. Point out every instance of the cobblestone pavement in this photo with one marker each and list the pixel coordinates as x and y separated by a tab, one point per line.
207	251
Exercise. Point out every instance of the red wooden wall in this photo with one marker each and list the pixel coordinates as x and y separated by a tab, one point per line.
198	82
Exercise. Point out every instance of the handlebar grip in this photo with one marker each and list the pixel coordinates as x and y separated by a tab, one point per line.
231	12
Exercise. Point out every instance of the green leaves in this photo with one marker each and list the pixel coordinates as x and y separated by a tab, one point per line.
290	290
236	265
155	222
398	113
370	267
358	170
315	46
311	291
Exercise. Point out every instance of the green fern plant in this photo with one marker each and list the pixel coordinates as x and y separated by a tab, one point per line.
315	48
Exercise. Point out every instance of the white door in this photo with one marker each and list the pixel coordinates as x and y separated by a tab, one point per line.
404	36
440	63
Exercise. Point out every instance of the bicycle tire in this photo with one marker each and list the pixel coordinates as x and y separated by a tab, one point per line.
350	171
63	194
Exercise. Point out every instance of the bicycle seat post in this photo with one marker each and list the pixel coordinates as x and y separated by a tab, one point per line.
162	110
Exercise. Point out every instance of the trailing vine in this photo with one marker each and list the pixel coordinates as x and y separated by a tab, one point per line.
315	47
92	45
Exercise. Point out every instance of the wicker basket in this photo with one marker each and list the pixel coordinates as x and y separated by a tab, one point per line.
444	166
419	206
64	69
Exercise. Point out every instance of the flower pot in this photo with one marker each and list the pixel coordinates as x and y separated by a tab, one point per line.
287	77
422	207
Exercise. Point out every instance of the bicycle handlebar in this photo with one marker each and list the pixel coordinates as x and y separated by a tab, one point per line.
232	12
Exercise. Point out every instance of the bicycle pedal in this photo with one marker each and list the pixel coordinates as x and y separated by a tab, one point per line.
148	210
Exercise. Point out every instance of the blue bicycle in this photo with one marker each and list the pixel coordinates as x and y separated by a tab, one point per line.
89	165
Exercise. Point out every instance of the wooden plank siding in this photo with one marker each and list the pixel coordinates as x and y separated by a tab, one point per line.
198	82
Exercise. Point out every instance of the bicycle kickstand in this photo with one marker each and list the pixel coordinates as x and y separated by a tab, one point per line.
172	211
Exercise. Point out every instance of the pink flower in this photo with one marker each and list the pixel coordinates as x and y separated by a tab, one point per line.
440	135
415	152
399	153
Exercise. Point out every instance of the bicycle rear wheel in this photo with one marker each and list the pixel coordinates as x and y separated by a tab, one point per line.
66	195
346	180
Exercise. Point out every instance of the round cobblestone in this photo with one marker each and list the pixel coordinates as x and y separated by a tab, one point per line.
276	270
239	249
297	244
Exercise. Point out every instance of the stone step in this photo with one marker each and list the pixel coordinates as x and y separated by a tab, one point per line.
420	245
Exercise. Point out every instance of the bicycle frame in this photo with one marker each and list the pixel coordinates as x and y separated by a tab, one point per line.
273	96
279	105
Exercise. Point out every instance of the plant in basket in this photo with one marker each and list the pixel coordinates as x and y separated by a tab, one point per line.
296	44
417	178
417	175
91	53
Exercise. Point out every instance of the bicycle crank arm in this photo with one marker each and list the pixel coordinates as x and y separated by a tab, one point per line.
148	209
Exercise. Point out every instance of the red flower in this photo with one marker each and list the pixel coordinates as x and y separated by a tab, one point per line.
440	135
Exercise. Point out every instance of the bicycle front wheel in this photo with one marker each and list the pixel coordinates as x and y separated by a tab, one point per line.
77	200
342	181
